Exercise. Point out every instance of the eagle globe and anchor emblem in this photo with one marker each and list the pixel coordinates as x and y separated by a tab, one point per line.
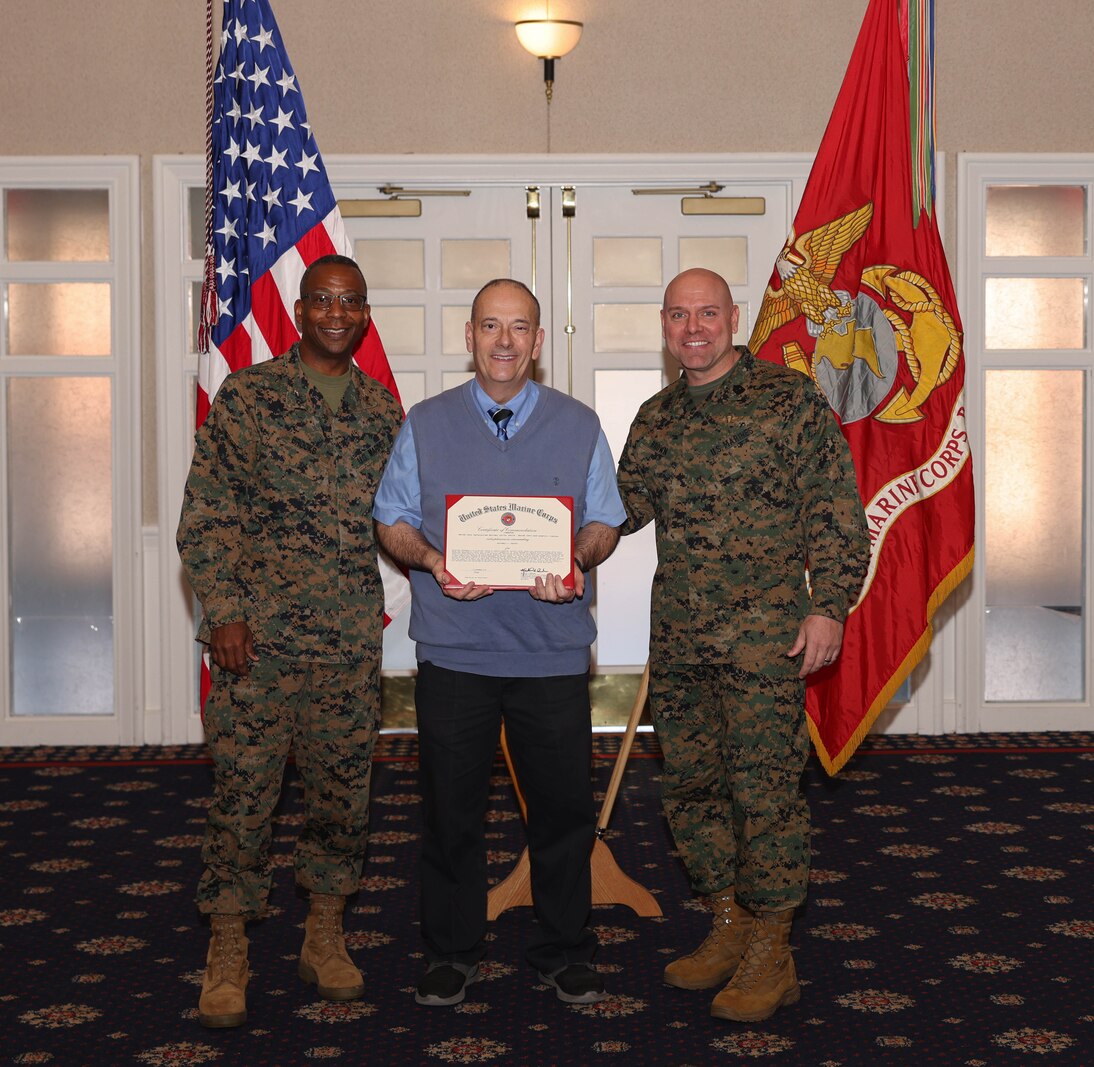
860	340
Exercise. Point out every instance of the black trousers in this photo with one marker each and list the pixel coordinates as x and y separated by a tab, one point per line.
549	734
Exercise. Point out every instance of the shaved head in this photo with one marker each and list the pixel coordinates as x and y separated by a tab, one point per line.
699	319
699	274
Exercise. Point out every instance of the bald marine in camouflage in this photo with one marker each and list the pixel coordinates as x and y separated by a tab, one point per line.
746	474
277	539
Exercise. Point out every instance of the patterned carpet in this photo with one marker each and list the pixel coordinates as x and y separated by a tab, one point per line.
950	922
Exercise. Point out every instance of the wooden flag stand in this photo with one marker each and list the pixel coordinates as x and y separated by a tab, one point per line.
610	884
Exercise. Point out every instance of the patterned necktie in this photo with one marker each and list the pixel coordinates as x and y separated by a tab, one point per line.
501	417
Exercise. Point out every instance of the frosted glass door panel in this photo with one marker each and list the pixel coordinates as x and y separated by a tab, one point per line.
627	261
1035	313
471	264
626	327
59	319
392	264
195	222
624	580
60	497
1033	550
454	322
1035	220
452	379
404	331
411	387
193	314
619	395
727	256
57	225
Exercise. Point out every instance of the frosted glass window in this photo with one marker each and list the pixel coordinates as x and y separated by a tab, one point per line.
1034	313
196	210
396	264
727	256
402	330
627	327
627	261
1035	220
453	334
618	396
471	264
61	571
64	319
57	225
1033	543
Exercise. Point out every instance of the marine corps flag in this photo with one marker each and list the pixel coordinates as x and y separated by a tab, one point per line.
861	301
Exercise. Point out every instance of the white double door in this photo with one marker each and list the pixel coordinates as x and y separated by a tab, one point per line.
598	255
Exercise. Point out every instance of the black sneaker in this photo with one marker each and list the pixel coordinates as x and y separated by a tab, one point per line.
446	983
576	984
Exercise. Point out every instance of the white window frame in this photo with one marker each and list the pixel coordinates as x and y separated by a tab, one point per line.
120	177
976	172
176	377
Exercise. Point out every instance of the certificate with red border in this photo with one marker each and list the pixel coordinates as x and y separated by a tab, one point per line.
508	541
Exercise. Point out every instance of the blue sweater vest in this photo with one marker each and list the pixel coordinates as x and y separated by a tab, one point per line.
507	634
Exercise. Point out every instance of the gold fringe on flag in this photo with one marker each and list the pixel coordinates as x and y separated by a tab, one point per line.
832	764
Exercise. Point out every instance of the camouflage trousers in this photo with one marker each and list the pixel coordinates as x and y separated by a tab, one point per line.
735	745
329	715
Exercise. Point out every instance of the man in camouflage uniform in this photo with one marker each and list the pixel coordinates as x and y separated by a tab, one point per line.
277	539
747	476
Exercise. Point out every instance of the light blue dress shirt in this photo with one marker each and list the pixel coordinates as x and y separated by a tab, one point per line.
399	494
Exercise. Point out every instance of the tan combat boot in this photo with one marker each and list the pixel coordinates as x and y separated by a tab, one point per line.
223	1000
716	959
766	979
323	959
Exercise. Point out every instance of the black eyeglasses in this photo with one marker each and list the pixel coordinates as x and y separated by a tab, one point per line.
350	301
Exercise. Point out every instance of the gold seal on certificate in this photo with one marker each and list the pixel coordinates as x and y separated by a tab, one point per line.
508	541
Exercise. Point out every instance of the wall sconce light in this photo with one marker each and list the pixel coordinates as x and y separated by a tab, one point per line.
549	39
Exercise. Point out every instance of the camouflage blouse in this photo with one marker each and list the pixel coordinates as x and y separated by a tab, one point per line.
276	524
746	487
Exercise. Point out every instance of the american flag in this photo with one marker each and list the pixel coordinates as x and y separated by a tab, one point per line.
273	213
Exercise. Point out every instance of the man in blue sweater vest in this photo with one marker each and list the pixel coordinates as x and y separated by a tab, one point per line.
486	656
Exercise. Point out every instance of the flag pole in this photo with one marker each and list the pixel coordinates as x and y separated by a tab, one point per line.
609	884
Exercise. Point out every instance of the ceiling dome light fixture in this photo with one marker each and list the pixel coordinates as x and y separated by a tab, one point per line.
549	39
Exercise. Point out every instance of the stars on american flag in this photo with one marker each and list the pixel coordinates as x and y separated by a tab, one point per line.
302	201
269	182
282	120
257	77
252	153
273	211
263	39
